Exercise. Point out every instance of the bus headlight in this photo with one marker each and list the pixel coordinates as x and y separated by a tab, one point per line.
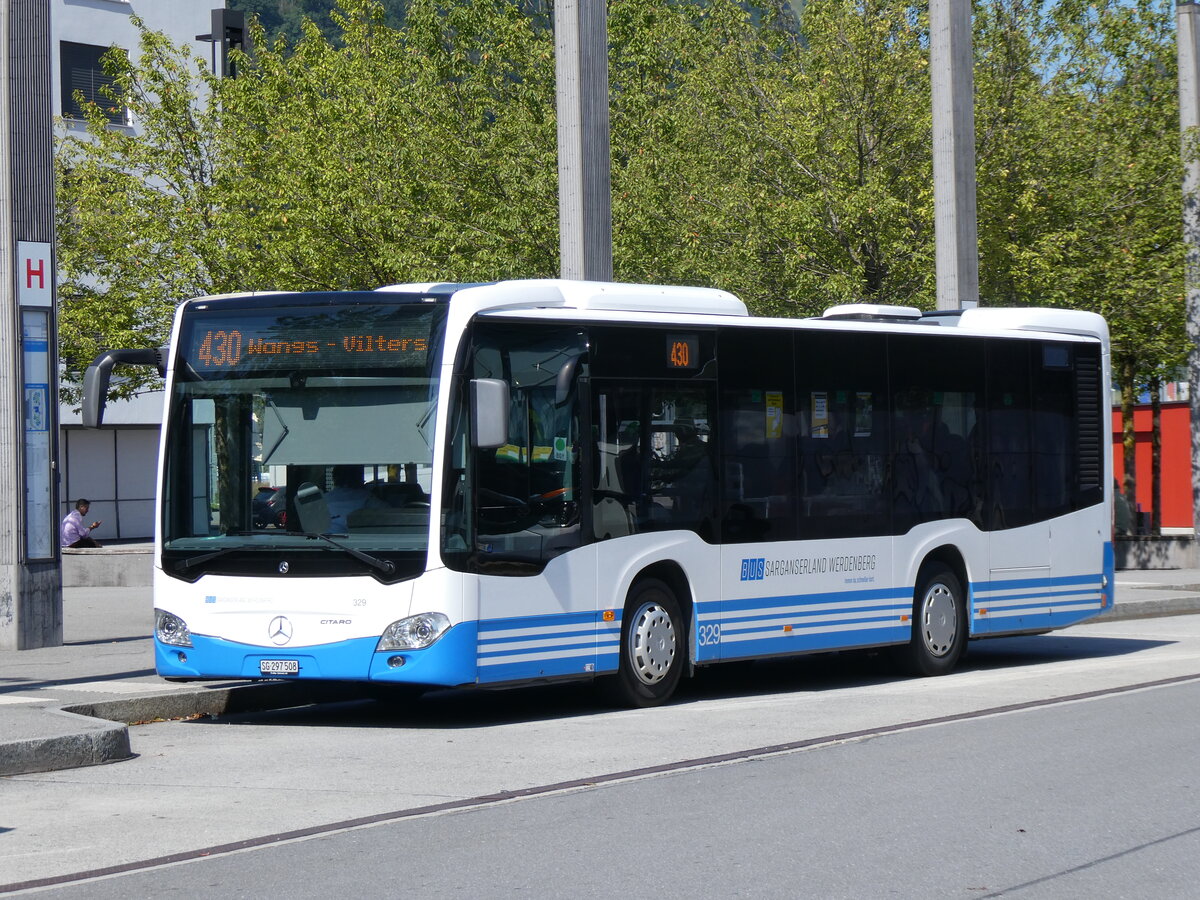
170	629
415	632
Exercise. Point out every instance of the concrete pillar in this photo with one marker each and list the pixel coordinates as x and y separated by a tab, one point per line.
1188	20
584	156
951	67
30	574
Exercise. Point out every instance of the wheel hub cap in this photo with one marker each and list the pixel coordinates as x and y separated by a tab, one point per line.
939	620
652	643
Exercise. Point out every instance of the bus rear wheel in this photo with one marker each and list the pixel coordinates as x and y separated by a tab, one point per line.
652	647
939	633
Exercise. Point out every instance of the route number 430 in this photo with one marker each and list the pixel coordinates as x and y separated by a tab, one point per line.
221	348
709	635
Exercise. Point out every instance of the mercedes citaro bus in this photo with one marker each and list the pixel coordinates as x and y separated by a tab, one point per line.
498	484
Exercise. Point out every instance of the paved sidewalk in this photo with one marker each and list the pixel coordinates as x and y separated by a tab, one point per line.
65	707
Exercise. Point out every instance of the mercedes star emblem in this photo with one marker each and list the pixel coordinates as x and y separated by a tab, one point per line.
280	630
283	567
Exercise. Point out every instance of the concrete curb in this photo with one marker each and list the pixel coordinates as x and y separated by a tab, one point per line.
80	741
1150	609
240	697
97	733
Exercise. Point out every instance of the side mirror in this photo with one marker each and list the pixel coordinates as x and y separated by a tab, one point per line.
566	379
489	412
98	374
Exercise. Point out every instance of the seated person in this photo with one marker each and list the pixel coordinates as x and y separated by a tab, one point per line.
348	494
72	531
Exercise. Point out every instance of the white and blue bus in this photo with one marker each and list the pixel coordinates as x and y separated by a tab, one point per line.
499	484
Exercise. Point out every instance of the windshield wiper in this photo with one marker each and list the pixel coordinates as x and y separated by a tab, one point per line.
424	421
386	566
205	557
284	432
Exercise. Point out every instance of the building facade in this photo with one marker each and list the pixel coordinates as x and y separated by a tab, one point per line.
1175	432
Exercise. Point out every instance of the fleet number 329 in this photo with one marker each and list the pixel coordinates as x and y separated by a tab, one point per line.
709	635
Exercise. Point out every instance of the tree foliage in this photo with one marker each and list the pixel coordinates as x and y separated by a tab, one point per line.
285	18
783	155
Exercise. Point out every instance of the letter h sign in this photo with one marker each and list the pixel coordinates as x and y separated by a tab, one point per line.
35	274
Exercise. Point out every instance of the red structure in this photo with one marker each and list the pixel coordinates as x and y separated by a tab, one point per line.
1176	461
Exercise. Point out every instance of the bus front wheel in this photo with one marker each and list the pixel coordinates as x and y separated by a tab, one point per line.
939	632
652	646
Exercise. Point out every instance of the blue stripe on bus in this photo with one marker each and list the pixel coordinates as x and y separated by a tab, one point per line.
1014	583
804	622
582	618
525	647
540	646
799	642
531	635
749	603
994	611
1001	598
1030	621
809	623
878	615
792	610
546	668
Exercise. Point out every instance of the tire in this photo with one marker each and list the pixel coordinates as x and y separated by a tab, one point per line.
939	624
653	647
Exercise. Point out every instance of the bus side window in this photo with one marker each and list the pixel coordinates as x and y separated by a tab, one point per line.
1054	448
842	413
683	477
758	435
617	474
937	397
1009	482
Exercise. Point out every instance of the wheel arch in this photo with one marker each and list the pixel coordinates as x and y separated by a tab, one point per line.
950	556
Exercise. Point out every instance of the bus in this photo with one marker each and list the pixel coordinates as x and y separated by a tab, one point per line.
510	483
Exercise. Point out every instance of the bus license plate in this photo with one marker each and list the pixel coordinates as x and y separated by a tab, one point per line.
279	666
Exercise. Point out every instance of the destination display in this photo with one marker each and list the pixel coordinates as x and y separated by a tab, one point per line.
683	351
361	337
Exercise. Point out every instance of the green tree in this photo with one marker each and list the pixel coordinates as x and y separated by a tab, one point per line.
785	156
421	154
141	223
285	18
852	138
787	160
1101	194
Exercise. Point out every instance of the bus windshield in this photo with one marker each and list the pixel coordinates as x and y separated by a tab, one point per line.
307	429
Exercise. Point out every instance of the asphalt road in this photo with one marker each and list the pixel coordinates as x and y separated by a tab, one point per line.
1053	766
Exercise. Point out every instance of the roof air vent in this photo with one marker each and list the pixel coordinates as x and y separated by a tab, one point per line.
873	312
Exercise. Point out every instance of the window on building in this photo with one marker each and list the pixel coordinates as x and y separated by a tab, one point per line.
83	74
